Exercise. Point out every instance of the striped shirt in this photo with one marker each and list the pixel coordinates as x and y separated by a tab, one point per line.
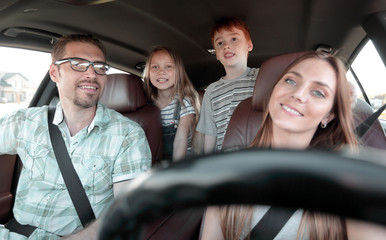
167	115
220	100
111	149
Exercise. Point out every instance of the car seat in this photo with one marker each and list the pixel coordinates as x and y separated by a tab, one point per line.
375	136
125	94
7	163
247	117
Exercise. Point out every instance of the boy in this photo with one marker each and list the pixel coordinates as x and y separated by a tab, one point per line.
232	41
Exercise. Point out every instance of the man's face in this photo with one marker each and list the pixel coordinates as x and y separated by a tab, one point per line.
79	89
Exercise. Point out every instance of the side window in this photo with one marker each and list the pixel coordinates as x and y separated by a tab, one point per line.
21	72
370	71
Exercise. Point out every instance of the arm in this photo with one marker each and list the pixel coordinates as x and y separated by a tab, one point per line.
120	188
89	233
206	125
135	156
92	230
10	126
181	139
209	144
212	225
198	143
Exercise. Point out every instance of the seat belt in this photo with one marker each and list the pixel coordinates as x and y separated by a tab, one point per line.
271	223
71	178
365	125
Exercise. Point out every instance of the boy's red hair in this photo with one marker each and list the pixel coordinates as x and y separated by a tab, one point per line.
228	23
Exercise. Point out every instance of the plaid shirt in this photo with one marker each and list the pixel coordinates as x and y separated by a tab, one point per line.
112	149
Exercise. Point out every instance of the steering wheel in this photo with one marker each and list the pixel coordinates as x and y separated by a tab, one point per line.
336	183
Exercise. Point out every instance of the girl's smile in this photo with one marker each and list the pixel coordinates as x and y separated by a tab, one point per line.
162	71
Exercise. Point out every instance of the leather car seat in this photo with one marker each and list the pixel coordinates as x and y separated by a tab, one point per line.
247	117
375	136
125	94
7	163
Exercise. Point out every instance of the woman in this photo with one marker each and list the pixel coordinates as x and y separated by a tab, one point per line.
309	107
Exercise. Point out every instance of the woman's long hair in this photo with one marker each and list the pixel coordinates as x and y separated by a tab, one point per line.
338	133
183	86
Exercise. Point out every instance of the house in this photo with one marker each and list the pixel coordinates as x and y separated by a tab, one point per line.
14	87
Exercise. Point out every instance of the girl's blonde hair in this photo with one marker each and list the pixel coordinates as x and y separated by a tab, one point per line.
183	86
338	133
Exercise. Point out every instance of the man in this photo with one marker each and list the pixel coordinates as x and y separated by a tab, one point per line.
105	148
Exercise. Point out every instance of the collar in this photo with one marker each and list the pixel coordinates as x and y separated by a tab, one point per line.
96	122
245	73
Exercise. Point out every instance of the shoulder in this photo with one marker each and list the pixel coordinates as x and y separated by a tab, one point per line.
188	108
253	72
214	85
187	101
115	123
34	113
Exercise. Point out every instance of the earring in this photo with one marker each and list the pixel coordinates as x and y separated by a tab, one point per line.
323	125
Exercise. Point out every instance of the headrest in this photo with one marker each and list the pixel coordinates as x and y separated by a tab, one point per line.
123	93
268	75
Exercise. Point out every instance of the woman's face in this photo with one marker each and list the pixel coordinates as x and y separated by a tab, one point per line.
304	97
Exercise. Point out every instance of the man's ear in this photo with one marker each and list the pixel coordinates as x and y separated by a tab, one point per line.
53	71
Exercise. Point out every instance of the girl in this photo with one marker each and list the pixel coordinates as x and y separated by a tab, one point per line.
309	107
168	87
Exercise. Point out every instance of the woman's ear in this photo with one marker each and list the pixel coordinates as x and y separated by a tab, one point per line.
328	118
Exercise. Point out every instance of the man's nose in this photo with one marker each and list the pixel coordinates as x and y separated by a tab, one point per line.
90	70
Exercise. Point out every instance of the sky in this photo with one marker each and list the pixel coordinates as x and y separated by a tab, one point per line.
370	70
33	65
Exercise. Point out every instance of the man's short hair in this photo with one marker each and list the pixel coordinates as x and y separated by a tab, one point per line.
58	50
228	23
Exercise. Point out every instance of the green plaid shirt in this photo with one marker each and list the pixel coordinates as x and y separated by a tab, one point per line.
112	149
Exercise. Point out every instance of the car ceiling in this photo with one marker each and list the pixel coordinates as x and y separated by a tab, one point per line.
130	28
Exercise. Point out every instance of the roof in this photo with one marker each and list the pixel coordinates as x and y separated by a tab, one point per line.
129	29
6	76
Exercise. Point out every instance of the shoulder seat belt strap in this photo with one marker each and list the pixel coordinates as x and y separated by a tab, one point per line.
365	125
71	178
271	223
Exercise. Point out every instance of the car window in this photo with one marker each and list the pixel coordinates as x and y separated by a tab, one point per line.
371	73
21	72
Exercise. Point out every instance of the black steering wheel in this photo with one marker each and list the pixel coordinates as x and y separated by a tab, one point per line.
337	183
